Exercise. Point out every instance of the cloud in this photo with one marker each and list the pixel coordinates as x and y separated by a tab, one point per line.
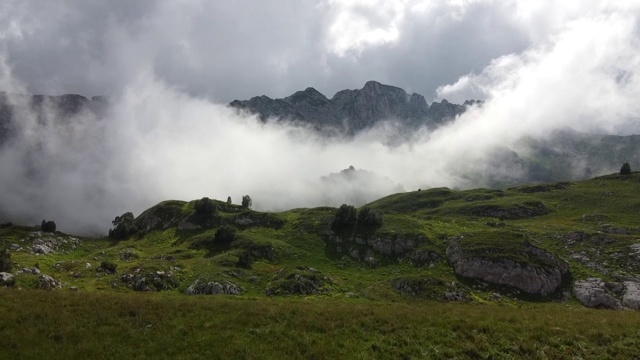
171	66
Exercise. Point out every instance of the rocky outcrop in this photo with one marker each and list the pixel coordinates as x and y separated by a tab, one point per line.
541	274
7	279
46	282
593	293
355	110
149	281
302	280
203	287
378	248
631	297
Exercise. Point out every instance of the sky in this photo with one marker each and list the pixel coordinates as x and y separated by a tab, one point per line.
170	68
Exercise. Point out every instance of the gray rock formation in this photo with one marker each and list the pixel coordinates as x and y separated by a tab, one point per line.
593	293
200	287
631	297
541	275
355	110
7	279
48	283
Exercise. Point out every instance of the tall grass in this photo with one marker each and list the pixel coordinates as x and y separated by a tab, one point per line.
66	325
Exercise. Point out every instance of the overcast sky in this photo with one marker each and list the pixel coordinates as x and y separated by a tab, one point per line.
226	50
170	66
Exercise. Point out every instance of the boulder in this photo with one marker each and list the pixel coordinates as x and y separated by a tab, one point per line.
593	293
541	274
631	297
7	279
201	287
48	283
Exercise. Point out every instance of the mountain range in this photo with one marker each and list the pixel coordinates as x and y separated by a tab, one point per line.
351	111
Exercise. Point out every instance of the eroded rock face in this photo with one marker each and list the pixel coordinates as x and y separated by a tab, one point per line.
200	287
532	278
593	293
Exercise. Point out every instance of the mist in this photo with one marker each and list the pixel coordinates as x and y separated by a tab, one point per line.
172	136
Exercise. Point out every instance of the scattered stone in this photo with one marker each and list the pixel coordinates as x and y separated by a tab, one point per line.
593	293
200	287
7	279
48	283
73	288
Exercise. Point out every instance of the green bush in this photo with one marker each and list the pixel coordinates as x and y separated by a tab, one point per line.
345	218
48	226
245	260
370	219
224	235
124	226
205	206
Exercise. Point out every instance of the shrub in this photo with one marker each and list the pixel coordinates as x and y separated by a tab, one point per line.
124	226
48	226
205	206
345	218
109	266
247	202
370	219
625	169
245	260
5	261
224	235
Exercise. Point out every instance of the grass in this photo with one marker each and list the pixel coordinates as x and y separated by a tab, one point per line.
363	315
107	325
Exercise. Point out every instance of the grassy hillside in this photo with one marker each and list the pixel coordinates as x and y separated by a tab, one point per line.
373	291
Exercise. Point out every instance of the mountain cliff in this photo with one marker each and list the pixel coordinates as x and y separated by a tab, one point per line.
355	110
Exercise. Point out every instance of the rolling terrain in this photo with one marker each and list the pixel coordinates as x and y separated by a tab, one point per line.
543	249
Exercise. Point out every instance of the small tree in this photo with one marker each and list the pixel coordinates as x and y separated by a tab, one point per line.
48	226
124	226
345	218
228	200
246	202
625	169
205	206
5	261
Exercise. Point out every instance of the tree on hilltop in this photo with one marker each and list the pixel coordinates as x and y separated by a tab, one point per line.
625	169
247	202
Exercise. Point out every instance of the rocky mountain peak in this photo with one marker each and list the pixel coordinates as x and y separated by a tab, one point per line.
351	111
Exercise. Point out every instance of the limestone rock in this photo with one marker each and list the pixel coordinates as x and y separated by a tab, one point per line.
593	293
7	279
200	287
631	297
48	283
540	276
